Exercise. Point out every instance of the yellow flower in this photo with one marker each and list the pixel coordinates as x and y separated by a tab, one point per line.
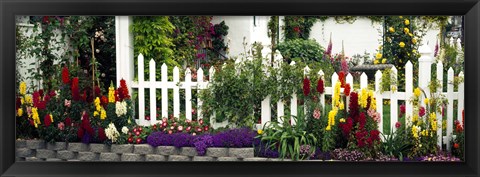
328	128
22	100
97	104
260	131
342	120
401	44
373	102
400	17
341	106
389	39
444	124
336	96
415	130
410	34
111	94
51	117
415	118
363	98
379	55
414	41
28	99
414	51
19	112
35	117
406	30
103	114
380	47
407	22
95	113
426	101
23	88
384	60
375	62
331	117
391	29
417	92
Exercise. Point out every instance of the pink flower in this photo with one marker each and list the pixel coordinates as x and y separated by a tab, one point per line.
170	132
398	124
200	121
316	114
67	103
172	127
180	128
188	128
164	124
61	126
421	112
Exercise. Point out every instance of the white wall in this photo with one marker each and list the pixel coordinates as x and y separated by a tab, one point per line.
357	37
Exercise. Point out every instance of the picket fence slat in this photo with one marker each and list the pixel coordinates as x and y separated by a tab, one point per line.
141	91
393	102
200	85
293	104
164	76
188	94
408	92
153	99
379	97
176	92
450	107
439	114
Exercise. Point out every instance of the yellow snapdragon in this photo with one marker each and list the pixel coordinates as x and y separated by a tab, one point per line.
336	96
401	44
111	94
23	88
28	99
19	112
417	92
363	98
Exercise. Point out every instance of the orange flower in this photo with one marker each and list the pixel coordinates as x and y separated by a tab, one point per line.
456	145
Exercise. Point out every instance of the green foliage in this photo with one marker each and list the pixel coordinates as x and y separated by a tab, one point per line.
396	144
306	50
388	81
289	138
152	39
298	27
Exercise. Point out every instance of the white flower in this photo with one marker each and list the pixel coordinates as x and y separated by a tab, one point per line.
111	132
121	108
124	130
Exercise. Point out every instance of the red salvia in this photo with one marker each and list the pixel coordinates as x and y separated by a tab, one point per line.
65	75
347	90
75	89
341	77
47	120
306	86
320	86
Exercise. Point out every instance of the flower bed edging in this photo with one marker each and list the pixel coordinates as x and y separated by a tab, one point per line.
39	150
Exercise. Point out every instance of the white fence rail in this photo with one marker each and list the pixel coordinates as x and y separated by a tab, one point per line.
393	96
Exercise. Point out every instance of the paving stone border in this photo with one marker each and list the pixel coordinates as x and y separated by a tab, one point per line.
39	150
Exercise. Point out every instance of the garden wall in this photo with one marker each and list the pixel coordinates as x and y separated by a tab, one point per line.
38	150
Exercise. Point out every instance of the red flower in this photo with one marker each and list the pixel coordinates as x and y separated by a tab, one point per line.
117	98
362	120
139	140
306	86
130	140
341	77
52	93
421	112
97	91
320	86
68	121
353	106
101	134
346	91
18	103
296	29
463	117
200	121
123	90
398	124
402	108
456	145
65	75
205	128
104	101
75	89
459	128
46	19
347	127
36	98
47	120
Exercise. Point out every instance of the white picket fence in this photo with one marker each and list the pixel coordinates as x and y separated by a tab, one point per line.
425	63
